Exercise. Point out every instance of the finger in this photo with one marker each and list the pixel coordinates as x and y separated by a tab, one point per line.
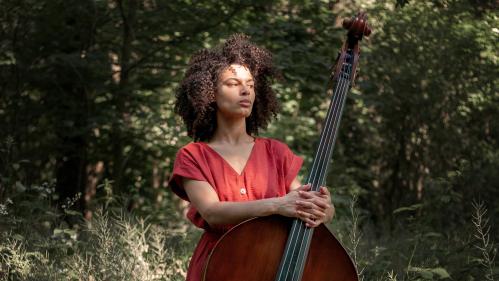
309	221
318	215
311	214
312	223
304	187
324	191
330	213
304	215
307	205
301	215
310	194
318	201
313	194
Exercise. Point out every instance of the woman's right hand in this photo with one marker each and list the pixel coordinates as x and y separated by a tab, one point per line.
291	205
288	205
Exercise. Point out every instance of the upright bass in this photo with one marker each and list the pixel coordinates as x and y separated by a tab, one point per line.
277	248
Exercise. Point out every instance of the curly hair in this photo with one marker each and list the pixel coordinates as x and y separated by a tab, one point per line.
195	97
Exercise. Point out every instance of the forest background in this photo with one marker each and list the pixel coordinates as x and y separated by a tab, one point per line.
88	134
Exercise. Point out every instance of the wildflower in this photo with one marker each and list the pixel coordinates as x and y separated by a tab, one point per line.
3	209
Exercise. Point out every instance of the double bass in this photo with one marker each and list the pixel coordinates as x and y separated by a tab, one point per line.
277	248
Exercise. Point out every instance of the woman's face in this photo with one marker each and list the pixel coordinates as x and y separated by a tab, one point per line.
235	93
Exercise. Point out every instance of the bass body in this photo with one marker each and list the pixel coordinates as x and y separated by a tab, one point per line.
252	251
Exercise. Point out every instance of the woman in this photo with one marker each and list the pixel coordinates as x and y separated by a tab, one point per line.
228	174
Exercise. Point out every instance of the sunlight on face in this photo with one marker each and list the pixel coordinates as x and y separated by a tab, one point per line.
235	92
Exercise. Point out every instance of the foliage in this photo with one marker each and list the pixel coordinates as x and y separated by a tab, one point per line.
113	246
116	245
87	106
418	251
484	244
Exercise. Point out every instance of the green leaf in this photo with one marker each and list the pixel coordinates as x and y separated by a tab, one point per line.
18	237
72	213
423	272
408	209
441	272
429	273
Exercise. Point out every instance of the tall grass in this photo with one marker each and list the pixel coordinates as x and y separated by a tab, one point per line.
117	245
484	243
113	246
415	250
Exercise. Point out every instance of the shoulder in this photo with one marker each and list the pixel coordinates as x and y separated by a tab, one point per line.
192	146
274	145
191	150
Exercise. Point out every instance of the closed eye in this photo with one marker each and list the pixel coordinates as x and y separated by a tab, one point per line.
232	84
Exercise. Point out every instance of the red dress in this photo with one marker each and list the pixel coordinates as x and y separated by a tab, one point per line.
269	171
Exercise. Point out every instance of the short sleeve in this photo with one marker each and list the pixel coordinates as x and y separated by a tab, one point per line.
185	166
292	166
291	163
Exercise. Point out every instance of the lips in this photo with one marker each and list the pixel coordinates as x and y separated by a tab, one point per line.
245	103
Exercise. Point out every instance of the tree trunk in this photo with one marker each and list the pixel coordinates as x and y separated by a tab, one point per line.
122	96
70	108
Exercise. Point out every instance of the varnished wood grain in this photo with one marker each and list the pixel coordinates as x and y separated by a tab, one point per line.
253	250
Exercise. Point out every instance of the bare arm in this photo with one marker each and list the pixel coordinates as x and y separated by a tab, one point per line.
313	208
205	200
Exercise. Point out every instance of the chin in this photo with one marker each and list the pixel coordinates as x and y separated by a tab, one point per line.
247	114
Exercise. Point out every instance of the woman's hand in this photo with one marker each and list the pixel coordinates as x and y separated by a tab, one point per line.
287	205
315	207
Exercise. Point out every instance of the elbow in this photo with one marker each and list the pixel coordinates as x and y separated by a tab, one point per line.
212	217
210	220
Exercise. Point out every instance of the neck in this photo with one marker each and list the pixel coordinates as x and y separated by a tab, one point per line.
231	131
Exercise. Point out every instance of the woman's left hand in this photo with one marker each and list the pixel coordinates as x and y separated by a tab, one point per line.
315	207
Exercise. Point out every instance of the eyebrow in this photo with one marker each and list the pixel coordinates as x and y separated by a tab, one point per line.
234	78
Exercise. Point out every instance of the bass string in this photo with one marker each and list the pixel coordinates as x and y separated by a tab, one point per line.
328	143
321	159
299	233
307	237
298	225
335	127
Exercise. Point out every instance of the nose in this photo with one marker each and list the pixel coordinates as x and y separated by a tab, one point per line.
244	90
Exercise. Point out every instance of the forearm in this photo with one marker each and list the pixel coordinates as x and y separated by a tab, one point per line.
220	213
216	212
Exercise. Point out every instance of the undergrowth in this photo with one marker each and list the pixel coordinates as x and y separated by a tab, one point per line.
114	245
37	244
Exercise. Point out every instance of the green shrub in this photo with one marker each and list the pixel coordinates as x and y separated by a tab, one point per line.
37	244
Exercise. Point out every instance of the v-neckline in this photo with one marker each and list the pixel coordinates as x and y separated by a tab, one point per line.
227	163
